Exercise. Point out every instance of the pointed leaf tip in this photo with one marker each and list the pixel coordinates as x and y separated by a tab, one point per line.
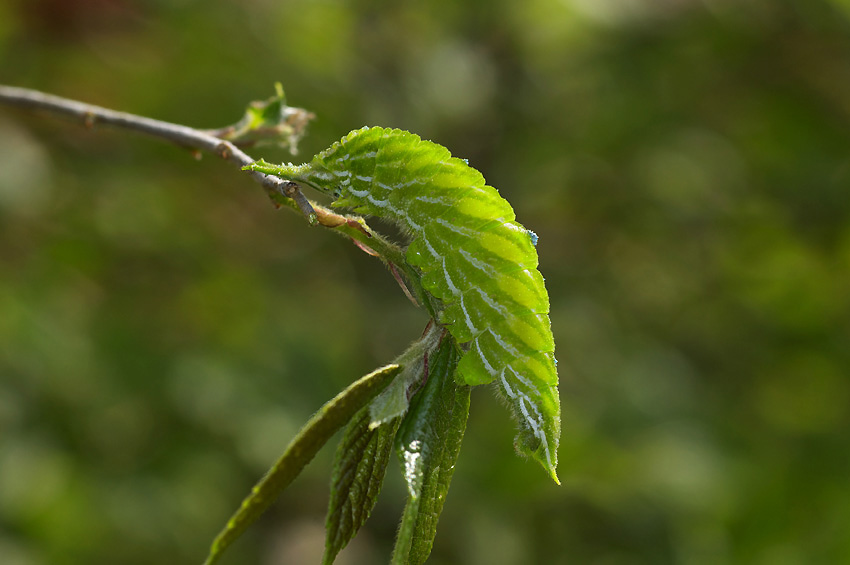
554	475
540	455
540	443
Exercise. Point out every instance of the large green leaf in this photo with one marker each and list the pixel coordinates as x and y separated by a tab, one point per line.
475	262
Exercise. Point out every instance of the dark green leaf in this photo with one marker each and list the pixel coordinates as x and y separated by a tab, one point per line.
361	462
301	450
428	444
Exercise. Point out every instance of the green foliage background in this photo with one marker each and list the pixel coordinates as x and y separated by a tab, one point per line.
164	331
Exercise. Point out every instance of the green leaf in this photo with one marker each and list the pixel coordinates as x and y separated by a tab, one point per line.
364	452
428	444
359	469
301	450
537	408
395	398
269	122
473	262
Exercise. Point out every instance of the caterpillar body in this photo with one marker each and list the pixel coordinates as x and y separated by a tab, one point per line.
474	258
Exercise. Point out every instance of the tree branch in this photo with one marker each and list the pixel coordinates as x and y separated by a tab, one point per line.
282	192
183	136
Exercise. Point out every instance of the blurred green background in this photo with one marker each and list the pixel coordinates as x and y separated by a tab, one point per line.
164	331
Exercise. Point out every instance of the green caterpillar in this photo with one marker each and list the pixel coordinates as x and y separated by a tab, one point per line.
474	258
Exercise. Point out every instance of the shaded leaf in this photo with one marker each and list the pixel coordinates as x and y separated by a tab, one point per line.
394	400
428	444
359	469
301	450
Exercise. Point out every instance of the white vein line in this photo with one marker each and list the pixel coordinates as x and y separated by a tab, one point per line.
506	346
456	228
359	156
535	423
501	309
398	185
539	416
452	288
508	390
477	263
431	250
403	215
469	323
433	200
487	364
522	379
378	202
